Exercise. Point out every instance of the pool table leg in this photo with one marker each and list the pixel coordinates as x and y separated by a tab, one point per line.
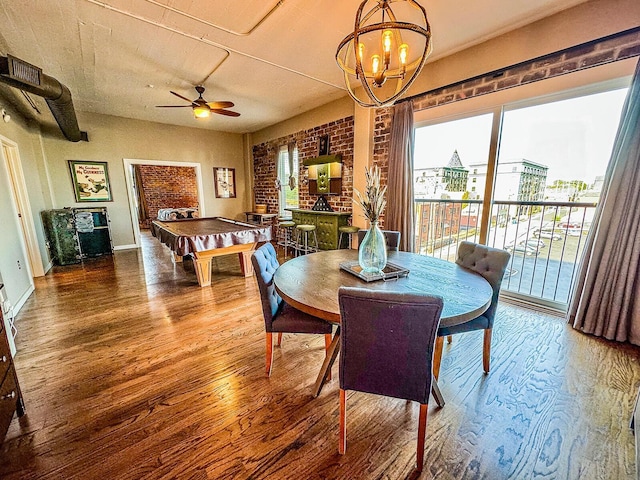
202	261
202	265
245	263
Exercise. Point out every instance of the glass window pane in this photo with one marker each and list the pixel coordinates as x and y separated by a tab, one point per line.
445	154
550	172
570	139
288	196
448	203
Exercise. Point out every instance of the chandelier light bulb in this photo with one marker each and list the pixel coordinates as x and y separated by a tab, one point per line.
387	36
403	54
375	64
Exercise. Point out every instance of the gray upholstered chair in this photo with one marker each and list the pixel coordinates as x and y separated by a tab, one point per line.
491	263
386	348
391	236
278	316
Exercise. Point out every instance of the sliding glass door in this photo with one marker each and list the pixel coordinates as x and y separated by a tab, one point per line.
544	181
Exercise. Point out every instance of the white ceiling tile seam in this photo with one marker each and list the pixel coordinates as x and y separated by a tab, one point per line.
213	25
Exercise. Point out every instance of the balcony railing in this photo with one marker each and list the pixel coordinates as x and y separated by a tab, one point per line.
545	240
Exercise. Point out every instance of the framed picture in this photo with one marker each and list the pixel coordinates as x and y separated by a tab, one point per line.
90	181
225	182
323	145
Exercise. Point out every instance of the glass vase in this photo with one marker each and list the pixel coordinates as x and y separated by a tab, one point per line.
372	252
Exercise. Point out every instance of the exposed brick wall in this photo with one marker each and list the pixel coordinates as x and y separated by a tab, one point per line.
560	63
265	157
573	59
168	187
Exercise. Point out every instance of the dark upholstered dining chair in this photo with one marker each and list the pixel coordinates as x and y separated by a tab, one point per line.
386	348
392	238
491	263
279	317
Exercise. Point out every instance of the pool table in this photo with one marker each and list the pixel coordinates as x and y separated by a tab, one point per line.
205	238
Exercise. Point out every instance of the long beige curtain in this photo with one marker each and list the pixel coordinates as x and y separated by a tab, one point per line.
606	297
400	214
291	151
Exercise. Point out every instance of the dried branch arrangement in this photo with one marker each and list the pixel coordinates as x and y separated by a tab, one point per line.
373	201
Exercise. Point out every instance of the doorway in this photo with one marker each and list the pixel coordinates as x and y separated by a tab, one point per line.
11	156
135	207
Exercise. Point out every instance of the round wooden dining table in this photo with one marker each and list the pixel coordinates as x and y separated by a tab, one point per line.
311	282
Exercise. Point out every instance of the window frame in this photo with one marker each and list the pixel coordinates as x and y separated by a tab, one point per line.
283	178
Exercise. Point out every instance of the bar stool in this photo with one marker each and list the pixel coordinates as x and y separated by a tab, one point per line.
303	232
286	227
347	230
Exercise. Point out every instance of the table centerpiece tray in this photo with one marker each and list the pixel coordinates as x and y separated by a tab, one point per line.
390	272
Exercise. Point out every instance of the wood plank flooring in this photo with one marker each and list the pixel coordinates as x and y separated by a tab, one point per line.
131	371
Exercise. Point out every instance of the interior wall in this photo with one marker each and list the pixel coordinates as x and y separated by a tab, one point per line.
578	67
112	139
265	165
335	110
13	259
582	23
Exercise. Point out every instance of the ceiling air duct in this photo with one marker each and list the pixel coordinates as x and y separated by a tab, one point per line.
27	77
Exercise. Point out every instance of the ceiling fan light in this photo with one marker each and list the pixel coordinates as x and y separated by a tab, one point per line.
202	111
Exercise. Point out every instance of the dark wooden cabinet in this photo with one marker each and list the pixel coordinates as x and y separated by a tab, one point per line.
10	396
327	224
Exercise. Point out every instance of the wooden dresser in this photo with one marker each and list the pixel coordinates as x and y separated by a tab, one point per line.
10	396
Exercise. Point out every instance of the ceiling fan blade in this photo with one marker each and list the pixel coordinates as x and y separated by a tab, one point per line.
228	113
180	96
174	106
218	105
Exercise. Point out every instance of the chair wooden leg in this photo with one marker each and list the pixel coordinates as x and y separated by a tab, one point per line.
269	352
422	430
437	356
486	350
327	344
279	339
449	338
342	442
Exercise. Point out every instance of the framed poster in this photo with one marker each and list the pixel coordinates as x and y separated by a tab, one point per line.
90	181
225	182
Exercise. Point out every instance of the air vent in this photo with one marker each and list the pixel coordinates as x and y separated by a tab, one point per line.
24	72
29	78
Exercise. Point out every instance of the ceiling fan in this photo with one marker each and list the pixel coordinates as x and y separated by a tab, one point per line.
202	108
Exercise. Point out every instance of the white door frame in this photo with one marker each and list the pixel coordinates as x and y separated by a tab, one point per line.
129	162
22	206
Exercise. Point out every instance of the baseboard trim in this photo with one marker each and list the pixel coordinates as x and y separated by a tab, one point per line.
48	267
20	303
126	247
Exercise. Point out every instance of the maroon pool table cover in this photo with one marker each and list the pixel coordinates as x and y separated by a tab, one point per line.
200	234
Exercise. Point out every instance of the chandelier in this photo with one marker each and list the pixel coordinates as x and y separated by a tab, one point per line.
384	55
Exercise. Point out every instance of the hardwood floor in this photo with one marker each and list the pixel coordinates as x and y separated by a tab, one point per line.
131	371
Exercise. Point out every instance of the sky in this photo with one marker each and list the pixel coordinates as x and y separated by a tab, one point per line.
572	137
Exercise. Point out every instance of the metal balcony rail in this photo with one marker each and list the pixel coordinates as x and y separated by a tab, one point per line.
545	240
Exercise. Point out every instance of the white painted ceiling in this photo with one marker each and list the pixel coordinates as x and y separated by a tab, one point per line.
273	59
